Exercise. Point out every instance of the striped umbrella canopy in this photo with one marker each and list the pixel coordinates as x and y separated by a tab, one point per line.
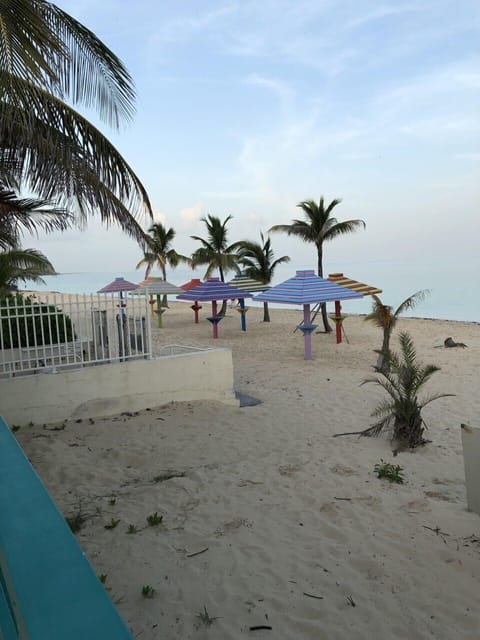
119	285
245	283
212	290
191	284
158	286
307	288
354	285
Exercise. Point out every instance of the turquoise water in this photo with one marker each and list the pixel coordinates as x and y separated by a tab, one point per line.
454	289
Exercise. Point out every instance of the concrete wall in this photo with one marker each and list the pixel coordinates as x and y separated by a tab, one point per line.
110	389
471	458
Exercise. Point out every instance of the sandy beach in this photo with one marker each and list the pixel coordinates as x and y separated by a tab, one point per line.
270	527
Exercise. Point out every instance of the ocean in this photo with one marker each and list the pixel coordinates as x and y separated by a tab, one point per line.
454	292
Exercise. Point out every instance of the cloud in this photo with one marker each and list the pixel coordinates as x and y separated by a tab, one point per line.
159	216
191	215
183	29
450	79
385	11
448	126
281	89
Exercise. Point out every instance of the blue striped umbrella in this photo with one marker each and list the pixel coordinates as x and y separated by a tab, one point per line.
213	290
307	288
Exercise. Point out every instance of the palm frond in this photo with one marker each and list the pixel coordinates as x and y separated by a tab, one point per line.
60	156
18	215
412	301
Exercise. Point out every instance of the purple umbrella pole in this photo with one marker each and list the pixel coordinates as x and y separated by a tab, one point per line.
307	334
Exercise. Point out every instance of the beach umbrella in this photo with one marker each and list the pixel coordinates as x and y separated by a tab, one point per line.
156	286
244	283
354	285
119	285
213	290
188	286
306	288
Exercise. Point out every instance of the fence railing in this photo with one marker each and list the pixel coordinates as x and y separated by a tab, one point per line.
178	350
45	333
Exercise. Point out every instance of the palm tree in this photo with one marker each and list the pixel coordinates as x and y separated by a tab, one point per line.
215	250
318	227
47	147
259	264
159	252
402	380
21	265
383	316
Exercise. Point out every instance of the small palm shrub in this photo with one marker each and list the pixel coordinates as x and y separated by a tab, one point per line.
400	413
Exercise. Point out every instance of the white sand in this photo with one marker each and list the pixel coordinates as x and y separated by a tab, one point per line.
282	507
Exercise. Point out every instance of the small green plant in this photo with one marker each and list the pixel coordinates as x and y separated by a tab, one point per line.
392	472
112	501
132	529
205	618
112	524
103	578
15	427
148	591
154	519
77	519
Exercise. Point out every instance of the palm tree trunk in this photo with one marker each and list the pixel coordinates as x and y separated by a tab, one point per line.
382	363
223	308
266	313
323	305
409	434
164	276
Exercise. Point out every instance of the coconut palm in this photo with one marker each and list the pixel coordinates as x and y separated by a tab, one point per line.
20	265
215	251
46	146
258	262
402	380
159	250
383	316
160	253
318	227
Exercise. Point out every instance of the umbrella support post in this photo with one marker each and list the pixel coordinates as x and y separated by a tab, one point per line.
307	328
215	319
338	320
196	308
242	309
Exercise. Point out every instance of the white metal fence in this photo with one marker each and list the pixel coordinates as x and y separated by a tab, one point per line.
45	333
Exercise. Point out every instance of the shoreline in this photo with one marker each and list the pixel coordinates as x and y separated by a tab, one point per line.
271	306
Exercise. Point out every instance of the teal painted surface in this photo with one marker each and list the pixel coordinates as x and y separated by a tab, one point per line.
8	630
53	591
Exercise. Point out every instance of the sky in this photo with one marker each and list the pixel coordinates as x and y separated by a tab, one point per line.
247	108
